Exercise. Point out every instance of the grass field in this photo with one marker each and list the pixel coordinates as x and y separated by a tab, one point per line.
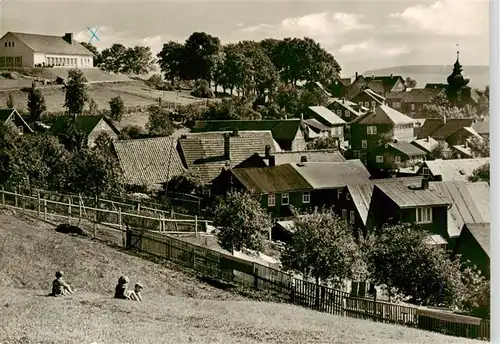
177	307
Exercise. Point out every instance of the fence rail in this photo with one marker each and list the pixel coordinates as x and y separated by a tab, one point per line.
144	233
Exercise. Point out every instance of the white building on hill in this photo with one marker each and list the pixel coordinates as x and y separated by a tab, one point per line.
30	50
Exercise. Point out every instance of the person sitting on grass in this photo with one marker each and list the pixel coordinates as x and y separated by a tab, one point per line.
59	286
135	294
121	288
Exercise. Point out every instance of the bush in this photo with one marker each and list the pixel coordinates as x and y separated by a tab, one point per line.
132	132
202	90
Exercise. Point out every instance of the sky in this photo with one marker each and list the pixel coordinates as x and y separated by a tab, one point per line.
361	35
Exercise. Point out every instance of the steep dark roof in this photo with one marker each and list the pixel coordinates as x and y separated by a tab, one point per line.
480	232
451	127
430	126
203	153
361	195
281	129
280	178
387	81
314	123
409	197
383	114
149	161
84	123
407	148
323	175
421	95
377	86
51	44
320	155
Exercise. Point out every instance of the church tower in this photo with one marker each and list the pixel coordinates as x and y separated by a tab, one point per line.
456	81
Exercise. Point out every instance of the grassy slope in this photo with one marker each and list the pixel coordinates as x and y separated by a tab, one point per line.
177	308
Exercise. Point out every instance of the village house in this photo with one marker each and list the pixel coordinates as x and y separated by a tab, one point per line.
346	109
149	162
290	134
303	185
381	85
413	102
394	156
450	170
288	157
207	154
426	144
367	98
12	119
339	87
324	122
455	131
381	125
91	126
474	245
31	50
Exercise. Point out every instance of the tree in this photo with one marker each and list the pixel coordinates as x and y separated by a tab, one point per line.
112	59
116	108
138	60
72	137
242	221
9	141
202	89
479	147
441	151
288	99
186	183
188	114
480	174
36	103
313	97
323	142
93	107
323	247
201	52
159	123
236	108
97	56
76	92
132	132
10	101
401	258
170	59
410	83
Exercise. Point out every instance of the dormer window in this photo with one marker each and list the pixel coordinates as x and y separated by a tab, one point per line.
424	215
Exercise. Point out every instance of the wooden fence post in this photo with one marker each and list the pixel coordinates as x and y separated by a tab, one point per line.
160	225
120	217
196	225
23	200
255	276
138	208
39	205
15	197
3	195
79	210
45	209
69	210
95	216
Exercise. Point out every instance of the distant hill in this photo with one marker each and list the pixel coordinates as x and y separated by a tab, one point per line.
479	75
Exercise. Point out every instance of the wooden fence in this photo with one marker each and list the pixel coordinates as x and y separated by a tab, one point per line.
235	270
144	233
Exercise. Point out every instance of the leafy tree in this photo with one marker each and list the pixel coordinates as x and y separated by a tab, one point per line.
117	108
159	123
480	147
186	183
9	141
112	59
72	137
441	151
36	103
313	97
156	81
202	89
97	56
242	221
201	52
401	258
288	99
138	60
410	83
76	92
480	174
10	101
236	108
323	247
188	114
170	59
323	142
93	107
235	70
132	132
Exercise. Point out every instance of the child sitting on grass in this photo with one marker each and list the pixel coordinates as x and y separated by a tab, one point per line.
135	294
59	286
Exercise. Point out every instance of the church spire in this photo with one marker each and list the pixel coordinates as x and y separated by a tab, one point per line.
456	80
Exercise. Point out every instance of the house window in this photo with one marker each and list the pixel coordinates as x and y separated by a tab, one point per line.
364	144
21	130
348	196
371	130
356	154
306	197
12	44
271	200
367	104
5	44
352	217
285	199
103	126
397	159
344	214
339	112
339	193
424	215
425	171
379	159
412	106
347	113
374	103
396	105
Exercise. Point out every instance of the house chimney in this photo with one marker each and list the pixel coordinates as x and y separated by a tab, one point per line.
272	160
428	139
425	183
68	37
226	146
303	158
356	75
235	132
391	76
301	116
268	151
444	119
466	144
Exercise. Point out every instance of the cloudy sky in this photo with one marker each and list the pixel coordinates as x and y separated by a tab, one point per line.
362	35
